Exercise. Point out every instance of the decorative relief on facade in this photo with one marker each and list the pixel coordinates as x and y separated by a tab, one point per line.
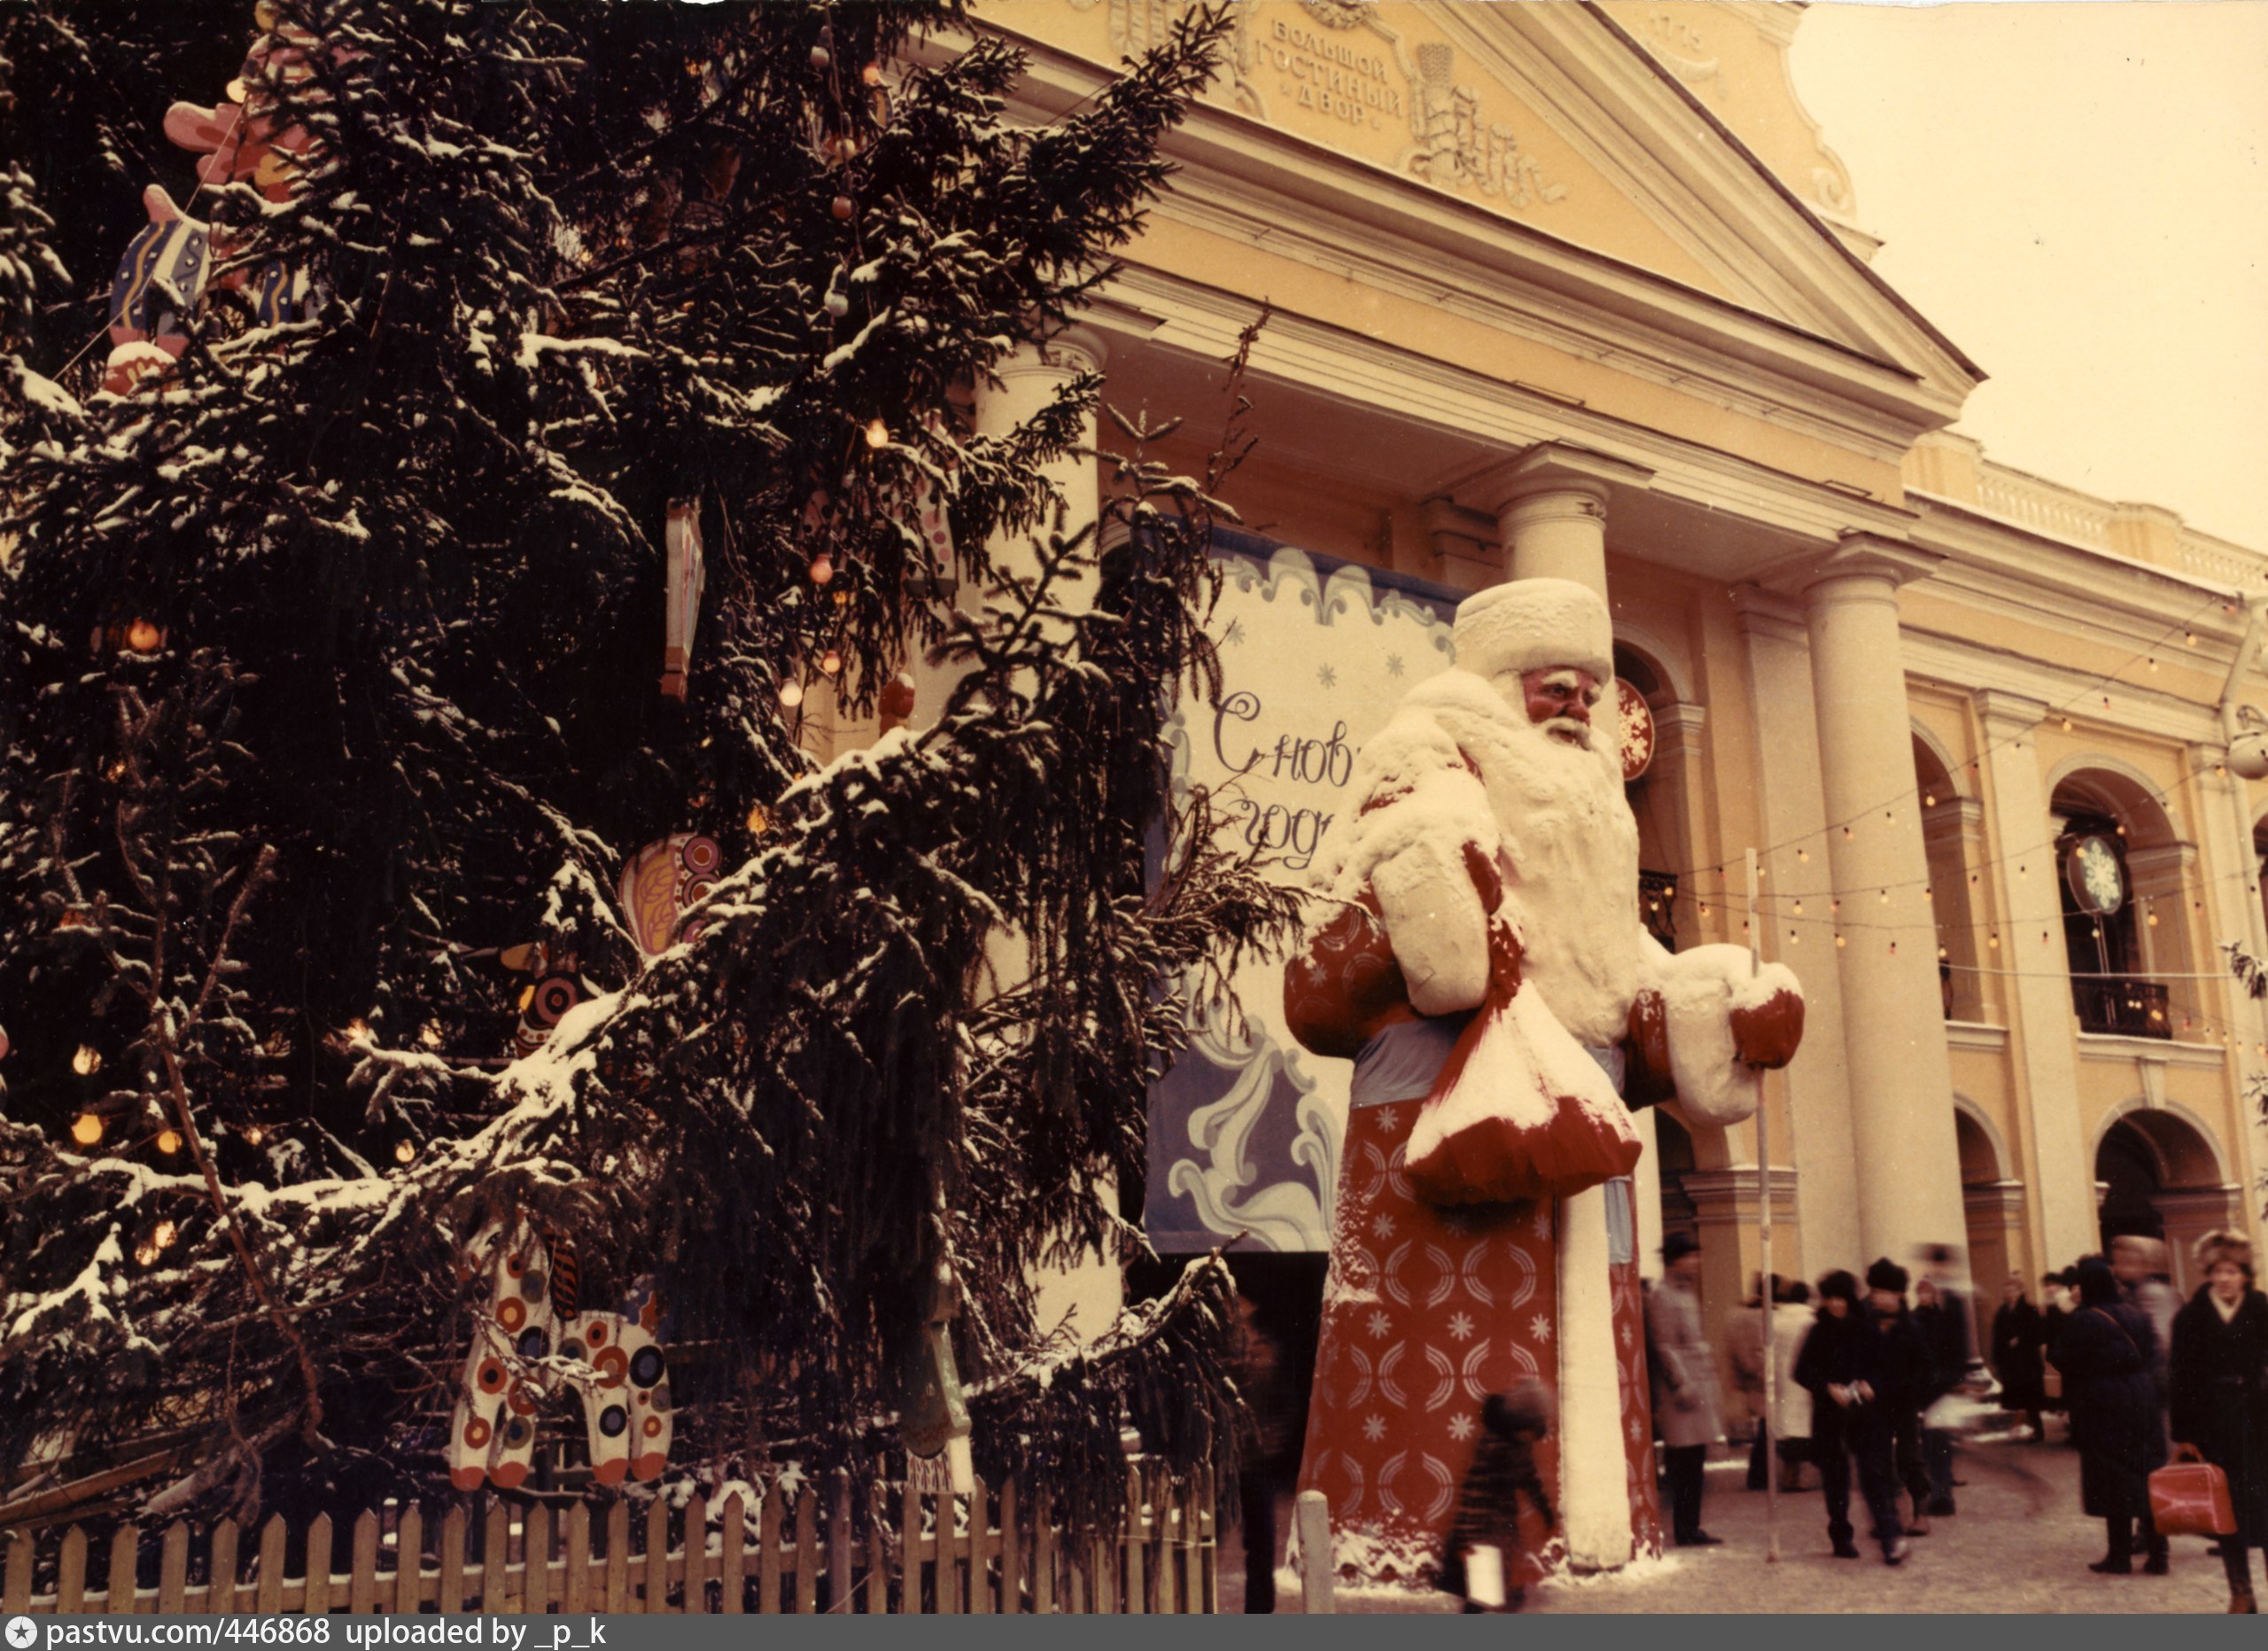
1140	26
1457	147
1678	47
1337	63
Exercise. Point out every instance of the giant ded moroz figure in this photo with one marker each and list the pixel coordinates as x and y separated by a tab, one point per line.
1487	971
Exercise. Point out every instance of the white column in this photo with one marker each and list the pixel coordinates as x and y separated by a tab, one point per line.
1792	817
1593	1483
2042	1028
1087	1293
2231	872
1551	506
1029	382
1900	1074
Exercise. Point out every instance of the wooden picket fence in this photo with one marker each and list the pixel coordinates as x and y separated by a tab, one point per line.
984	1553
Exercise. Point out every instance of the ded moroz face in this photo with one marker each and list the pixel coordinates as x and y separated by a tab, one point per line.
1559	701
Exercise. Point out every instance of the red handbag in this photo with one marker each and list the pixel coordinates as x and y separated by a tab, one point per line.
2192	1499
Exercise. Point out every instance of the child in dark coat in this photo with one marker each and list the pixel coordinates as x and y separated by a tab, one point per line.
1512	1424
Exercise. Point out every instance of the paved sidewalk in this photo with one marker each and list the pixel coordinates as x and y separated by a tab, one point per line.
2018	1544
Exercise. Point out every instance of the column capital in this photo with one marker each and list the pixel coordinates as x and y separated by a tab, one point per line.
2006	714
1554	467
1075	350
1856	556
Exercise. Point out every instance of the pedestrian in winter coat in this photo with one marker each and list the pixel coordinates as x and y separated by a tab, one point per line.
2061	1300
1686	1407
2140	1264
2105	1353
2220	1395
1942	1318
1790	1326
1504	1470
1752	1370
1902	1383
2018	1345
1839	1365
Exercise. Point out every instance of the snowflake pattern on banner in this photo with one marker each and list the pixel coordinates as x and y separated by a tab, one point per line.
1420	1327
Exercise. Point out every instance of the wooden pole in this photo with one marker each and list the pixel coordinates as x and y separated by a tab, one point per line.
1764	1264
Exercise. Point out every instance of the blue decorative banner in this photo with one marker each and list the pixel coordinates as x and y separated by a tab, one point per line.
1315	653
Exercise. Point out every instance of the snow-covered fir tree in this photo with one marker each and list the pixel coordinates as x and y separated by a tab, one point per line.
329	647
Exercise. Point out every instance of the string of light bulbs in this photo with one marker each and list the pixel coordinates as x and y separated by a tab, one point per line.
2060	712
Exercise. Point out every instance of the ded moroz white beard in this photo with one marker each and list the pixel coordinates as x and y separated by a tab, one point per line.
1570	856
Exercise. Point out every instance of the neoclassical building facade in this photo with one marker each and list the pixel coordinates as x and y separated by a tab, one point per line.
1577	289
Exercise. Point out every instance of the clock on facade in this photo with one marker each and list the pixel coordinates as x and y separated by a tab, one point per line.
2097	878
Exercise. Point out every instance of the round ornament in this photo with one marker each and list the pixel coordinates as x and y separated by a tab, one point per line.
1638	720
842	209
838	304
2098	880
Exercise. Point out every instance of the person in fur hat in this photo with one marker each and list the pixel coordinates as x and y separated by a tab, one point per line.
2219	1391
1841	1367
1487	969
2105	1353
1901	1383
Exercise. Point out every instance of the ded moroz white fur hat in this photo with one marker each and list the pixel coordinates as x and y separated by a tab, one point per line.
1533	624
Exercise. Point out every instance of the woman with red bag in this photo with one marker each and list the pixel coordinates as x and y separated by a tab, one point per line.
2221	1395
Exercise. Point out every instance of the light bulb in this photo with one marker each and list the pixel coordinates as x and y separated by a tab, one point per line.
791	694
877	434
404	1152
2067	725
1804	855
144	637
758	821
164	1234
255	1135
431	1035
86	1061
1994	942
358	1031
822	568
1840	942
86	1129
2189	637
1799	908
872	74
169	1142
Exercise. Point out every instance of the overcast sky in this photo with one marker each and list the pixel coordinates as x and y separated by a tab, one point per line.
2078	196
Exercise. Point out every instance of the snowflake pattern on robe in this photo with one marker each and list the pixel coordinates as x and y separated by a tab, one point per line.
1419	1329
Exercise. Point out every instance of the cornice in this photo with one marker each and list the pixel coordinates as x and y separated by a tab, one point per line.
1962	663
1370	217
1550	466
1203	322
1855	555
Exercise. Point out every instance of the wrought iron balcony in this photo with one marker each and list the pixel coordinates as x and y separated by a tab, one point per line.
2125	1008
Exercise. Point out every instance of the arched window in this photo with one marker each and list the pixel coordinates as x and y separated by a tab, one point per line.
2121	876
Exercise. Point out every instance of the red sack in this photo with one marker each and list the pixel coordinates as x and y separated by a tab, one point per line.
2192	1499
1519	1110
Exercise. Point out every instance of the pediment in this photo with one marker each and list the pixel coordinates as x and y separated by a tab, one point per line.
1556	116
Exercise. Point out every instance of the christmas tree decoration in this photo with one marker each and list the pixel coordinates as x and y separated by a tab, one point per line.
613	1365
933	1421
86	1061
661	882
838	304
686	572
571	263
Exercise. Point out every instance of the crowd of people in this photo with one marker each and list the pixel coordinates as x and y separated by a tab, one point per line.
1871	1387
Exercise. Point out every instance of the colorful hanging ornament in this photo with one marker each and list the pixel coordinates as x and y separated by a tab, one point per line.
896	702
619	1371
933	1421
822	568
661	882
687	573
